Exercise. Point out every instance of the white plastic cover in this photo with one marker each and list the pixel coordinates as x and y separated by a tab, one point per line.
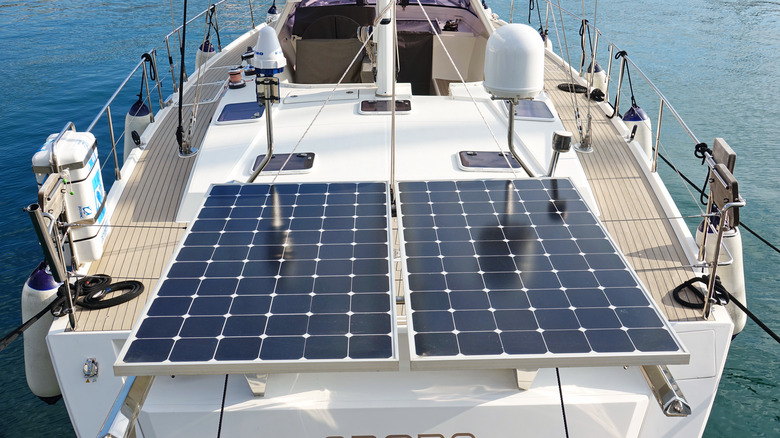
514	62
268	51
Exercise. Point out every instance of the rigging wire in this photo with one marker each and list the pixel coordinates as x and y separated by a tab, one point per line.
592	57
396	64
222	408
563	407
199	82
577	120
180	128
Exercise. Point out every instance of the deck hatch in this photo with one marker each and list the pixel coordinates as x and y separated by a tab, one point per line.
236	112
274	278
520	274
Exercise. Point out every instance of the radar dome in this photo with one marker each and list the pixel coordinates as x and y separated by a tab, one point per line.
514	62
269	59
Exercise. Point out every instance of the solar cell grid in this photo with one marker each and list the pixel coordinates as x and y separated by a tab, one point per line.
285	277
514	272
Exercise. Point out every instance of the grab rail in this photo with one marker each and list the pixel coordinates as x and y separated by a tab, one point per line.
664	102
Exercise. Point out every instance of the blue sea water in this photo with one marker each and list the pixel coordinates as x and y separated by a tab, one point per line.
715	60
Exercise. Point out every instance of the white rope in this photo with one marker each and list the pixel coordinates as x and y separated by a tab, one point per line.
512	11
173	22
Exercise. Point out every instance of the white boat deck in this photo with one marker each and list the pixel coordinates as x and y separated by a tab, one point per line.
145	232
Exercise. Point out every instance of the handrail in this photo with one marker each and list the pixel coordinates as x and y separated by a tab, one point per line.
664	101
116	93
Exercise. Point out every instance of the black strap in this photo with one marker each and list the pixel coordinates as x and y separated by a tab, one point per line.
627	70
534	4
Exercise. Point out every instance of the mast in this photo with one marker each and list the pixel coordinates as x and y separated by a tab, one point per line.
384	40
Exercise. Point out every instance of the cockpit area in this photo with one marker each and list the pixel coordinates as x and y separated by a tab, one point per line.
334	41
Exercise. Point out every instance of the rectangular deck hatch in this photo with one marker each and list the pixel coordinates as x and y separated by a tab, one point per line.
297	163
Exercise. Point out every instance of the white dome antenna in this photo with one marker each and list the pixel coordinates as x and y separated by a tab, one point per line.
514	63
514	69
269	59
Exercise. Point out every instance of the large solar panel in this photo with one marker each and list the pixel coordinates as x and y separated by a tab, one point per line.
520	274
274	278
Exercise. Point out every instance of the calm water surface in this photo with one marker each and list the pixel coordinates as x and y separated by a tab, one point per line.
715	60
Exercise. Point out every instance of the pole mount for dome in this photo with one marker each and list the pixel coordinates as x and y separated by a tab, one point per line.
514	70
269	61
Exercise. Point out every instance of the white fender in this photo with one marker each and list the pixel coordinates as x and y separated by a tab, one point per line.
272	16
599	78
204	53
136	120
39	290
731	276
636	116
547	42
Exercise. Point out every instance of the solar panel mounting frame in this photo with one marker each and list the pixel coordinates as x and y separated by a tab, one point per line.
258	366
546	360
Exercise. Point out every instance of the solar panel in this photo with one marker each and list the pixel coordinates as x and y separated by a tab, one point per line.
520	274
274	278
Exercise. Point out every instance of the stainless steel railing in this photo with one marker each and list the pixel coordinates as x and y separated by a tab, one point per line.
149	58
613	48
177	32
153	85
